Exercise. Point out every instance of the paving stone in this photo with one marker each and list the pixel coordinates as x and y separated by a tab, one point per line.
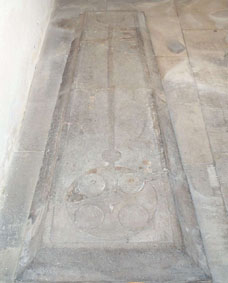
203	179
56	45
18	190
151	8
80	4
8	265
191	134
36	125
87	262
221	162
166	36
212	217
113	202
214	99
219	139
44	91
206	14
177	80
215	118
206	51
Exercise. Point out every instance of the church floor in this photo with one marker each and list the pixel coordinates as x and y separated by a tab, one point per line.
120	173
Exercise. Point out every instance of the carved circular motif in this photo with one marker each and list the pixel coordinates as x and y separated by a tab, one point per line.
111	204
133	217
130	183
89	217
91	184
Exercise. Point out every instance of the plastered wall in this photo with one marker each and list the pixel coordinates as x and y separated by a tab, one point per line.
22	28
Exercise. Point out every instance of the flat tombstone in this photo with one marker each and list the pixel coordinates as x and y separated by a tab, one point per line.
110	205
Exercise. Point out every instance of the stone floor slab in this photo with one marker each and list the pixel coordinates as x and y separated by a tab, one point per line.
206	14
132	183
18	193
152	8
177	80
166	44
107	175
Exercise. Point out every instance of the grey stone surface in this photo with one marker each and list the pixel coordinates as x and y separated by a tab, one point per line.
205	120
114	265
35	127
44	90
107	171
206	14
177	80
191	135
18	193
133	182
212	88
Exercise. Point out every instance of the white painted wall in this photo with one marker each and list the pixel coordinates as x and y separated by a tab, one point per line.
22	27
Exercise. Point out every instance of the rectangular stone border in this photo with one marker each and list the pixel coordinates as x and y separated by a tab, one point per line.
185	209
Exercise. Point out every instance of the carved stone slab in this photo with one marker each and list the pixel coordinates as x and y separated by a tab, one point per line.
111	182
109	185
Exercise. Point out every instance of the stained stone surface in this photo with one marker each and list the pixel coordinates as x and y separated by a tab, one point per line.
110	182
110	186
120	170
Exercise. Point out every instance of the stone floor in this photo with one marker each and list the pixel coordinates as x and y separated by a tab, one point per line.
120	173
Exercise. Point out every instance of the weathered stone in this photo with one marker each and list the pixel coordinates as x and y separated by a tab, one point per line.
18	190
190	131
226	38
177	80
132	182
152	8
163	44
207	51
114	265
206	14
107	169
